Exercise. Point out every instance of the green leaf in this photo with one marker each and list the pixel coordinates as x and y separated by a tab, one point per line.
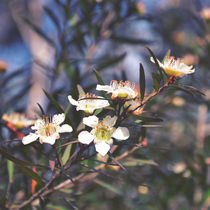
142	81
149	119
28	172
66	154
100	80
98	111
53	102
108	186
10	168
139	162
155	81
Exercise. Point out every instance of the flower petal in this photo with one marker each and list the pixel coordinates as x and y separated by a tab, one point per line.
58	118
85	137
65	129
102	148
38	124
106	88
30	138
72	101
110	121
121	133
49	139
91	121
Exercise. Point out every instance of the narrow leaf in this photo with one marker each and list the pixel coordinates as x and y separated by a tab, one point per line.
142	81
33	175
10	167
100	80
41	109
53	102
66	154
155	81
18	161
108	186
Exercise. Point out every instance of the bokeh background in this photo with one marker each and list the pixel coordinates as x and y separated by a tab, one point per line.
56	44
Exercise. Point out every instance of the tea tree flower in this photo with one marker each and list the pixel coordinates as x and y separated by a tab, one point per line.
102	133
119	89
132	106
88	102
47	130
17	120
174	67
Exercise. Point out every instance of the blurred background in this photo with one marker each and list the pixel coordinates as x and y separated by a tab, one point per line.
56	44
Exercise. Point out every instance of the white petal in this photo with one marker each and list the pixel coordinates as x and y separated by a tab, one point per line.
106	88
65	128
38	124
121	133
110	121
49	139
91	121
153	61
58	118
85	137
102	148
72	101
30	138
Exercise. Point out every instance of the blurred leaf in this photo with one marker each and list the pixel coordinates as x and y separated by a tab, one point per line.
11	75
53	17
182	88
110	62
56	207
39	31
139	162
66	154
205	196
18	161
18	96
142	81
194	90
10	167
108	187
70	204
33	175
207	146
130	40
148	119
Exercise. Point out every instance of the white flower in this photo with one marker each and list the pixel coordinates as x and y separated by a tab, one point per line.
90	104
174	67
47	130
119	89
102	133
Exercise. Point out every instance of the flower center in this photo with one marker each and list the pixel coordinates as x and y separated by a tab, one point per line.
103	132
48	130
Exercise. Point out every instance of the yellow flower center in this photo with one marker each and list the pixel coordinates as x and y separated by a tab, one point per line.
173	72
48	130
103	132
